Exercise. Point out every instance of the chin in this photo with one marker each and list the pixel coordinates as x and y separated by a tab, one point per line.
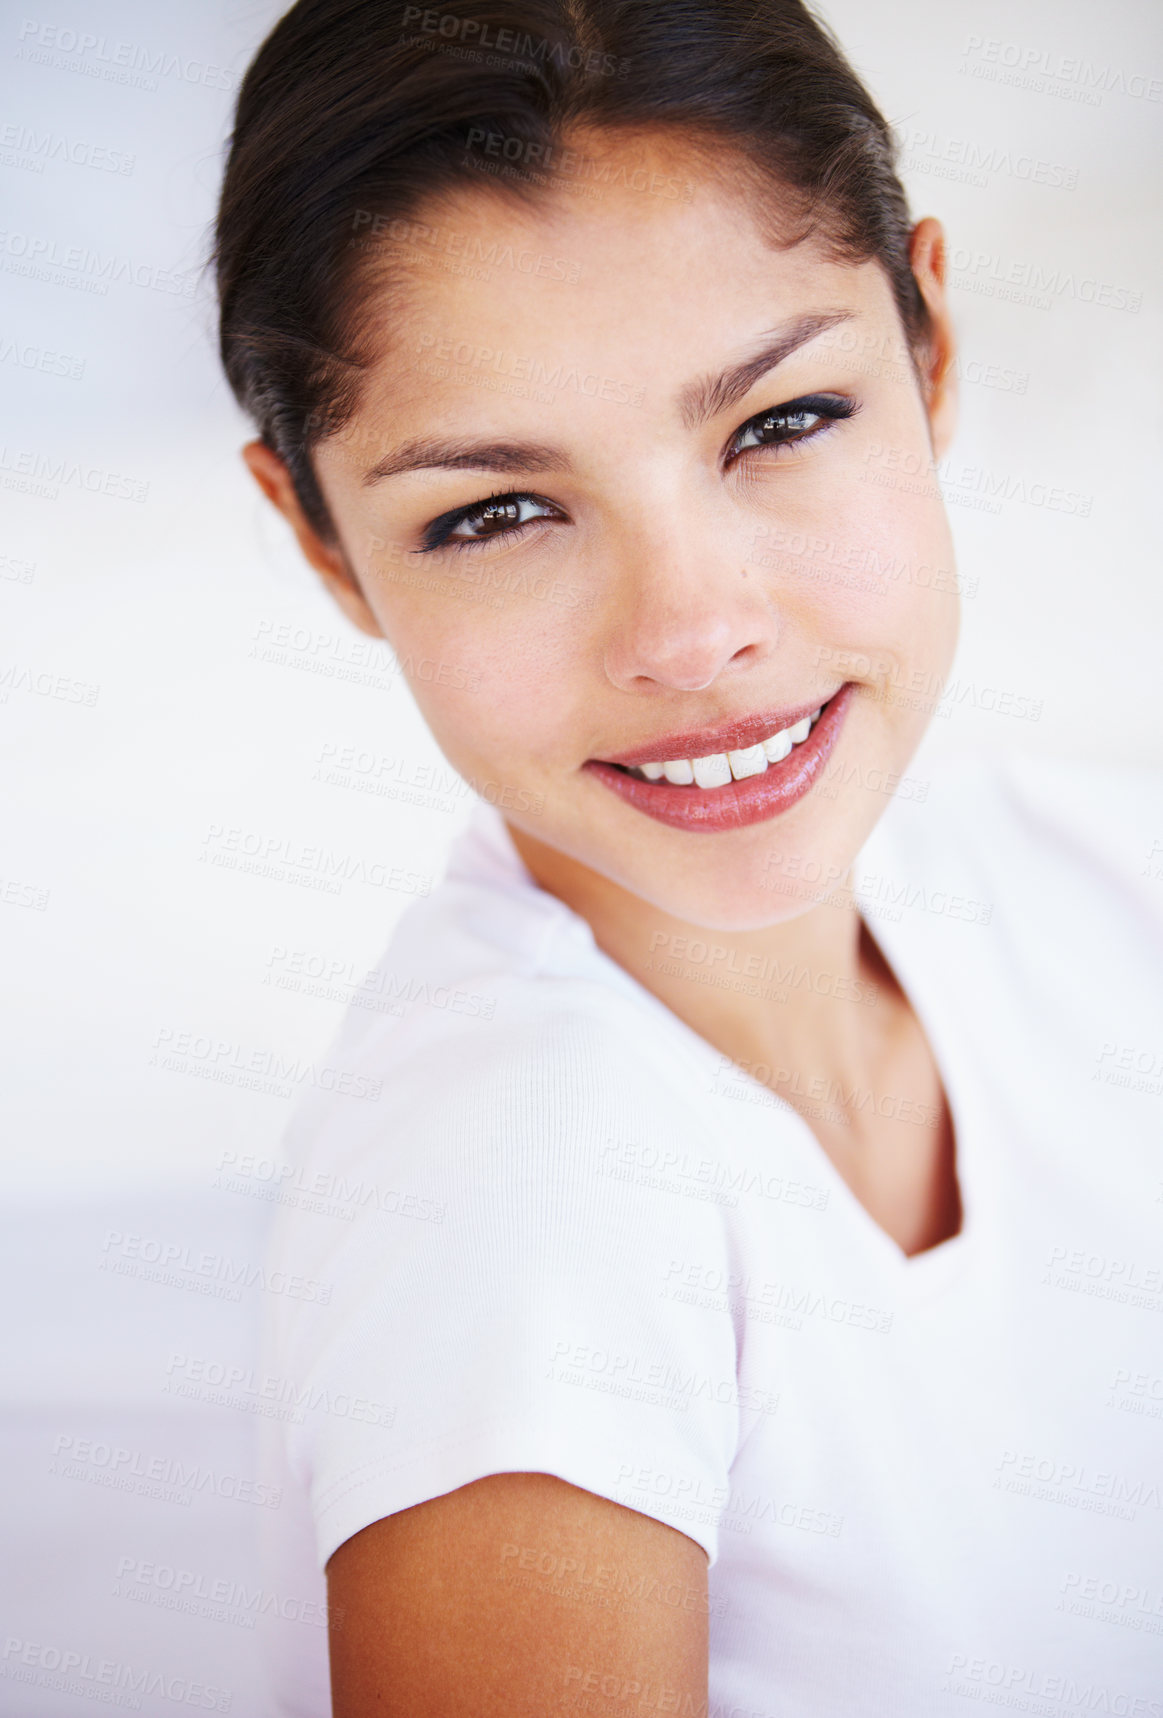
745	880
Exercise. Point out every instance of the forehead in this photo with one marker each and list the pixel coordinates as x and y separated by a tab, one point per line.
633	246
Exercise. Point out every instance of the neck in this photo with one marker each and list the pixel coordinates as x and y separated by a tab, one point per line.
812	993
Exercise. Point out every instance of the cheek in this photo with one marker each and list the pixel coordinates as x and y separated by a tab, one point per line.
885	574
492	670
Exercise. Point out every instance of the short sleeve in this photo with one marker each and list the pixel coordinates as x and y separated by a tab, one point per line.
497	1252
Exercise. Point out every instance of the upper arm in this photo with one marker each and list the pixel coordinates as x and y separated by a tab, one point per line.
510	1598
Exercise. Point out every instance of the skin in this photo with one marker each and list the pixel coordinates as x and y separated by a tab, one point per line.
439	1616
668	589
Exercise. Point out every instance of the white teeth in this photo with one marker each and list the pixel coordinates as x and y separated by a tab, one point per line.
752	761
777	748
714	771
722	767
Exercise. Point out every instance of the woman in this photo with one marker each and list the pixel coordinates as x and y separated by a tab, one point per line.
694	1329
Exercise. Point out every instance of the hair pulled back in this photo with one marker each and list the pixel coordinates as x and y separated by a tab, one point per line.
360	108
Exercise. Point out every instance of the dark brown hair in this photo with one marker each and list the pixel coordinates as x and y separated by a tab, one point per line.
354	109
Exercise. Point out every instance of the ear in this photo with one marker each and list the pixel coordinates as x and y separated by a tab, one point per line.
927	257
329	561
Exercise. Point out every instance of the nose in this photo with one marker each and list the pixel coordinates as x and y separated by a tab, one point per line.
687	611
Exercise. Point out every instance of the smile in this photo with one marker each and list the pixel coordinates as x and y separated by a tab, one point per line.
722	767
750	781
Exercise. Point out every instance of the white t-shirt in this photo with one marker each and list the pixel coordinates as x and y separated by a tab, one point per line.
568	1238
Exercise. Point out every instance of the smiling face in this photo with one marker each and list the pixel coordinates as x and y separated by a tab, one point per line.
652	491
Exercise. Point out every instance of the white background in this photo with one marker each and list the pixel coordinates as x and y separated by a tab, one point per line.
115	805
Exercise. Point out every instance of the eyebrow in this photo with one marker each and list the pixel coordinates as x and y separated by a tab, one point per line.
426	454
709	395
698	402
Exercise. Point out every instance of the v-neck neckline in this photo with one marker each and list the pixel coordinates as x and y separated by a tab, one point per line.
930	1268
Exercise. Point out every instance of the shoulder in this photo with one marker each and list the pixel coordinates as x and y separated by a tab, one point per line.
1024	897
495	1282
495	1039
1028	830
519	1123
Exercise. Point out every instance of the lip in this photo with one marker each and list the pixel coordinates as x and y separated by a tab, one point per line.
736	804
733	736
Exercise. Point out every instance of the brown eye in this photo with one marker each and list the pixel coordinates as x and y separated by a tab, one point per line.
798	420
782	426
496	517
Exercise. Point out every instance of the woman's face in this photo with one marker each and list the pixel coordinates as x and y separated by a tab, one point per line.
629	486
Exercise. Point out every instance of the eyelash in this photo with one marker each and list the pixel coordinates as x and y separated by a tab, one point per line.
829	408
